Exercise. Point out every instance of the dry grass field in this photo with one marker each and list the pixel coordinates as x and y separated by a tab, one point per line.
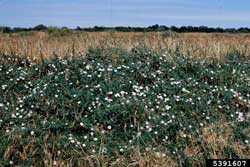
198	45
122	104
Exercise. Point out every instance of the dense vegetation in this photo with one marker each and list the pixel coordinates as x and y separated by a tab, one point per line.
131	29
111	107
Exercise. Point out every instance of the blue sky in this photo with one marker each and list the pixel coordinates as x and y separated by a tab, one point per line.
88	13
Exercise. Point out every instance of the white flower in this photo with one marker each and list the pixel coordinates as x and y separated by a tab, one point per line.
54	163
32	133
241	117
88	67
185	90
1	105
104	150
246	141
167	107
4	87
234	71
138	134
109	127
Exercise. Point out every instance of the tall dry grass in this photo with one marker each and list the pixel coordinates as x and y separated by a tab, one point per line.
197	45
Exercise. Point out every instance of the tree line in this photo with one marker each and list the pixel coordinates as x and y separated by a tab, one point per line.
153	28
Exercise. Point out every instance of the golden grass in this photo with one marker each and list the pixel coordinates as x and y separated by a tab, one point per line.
51	158
213	143
197	45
